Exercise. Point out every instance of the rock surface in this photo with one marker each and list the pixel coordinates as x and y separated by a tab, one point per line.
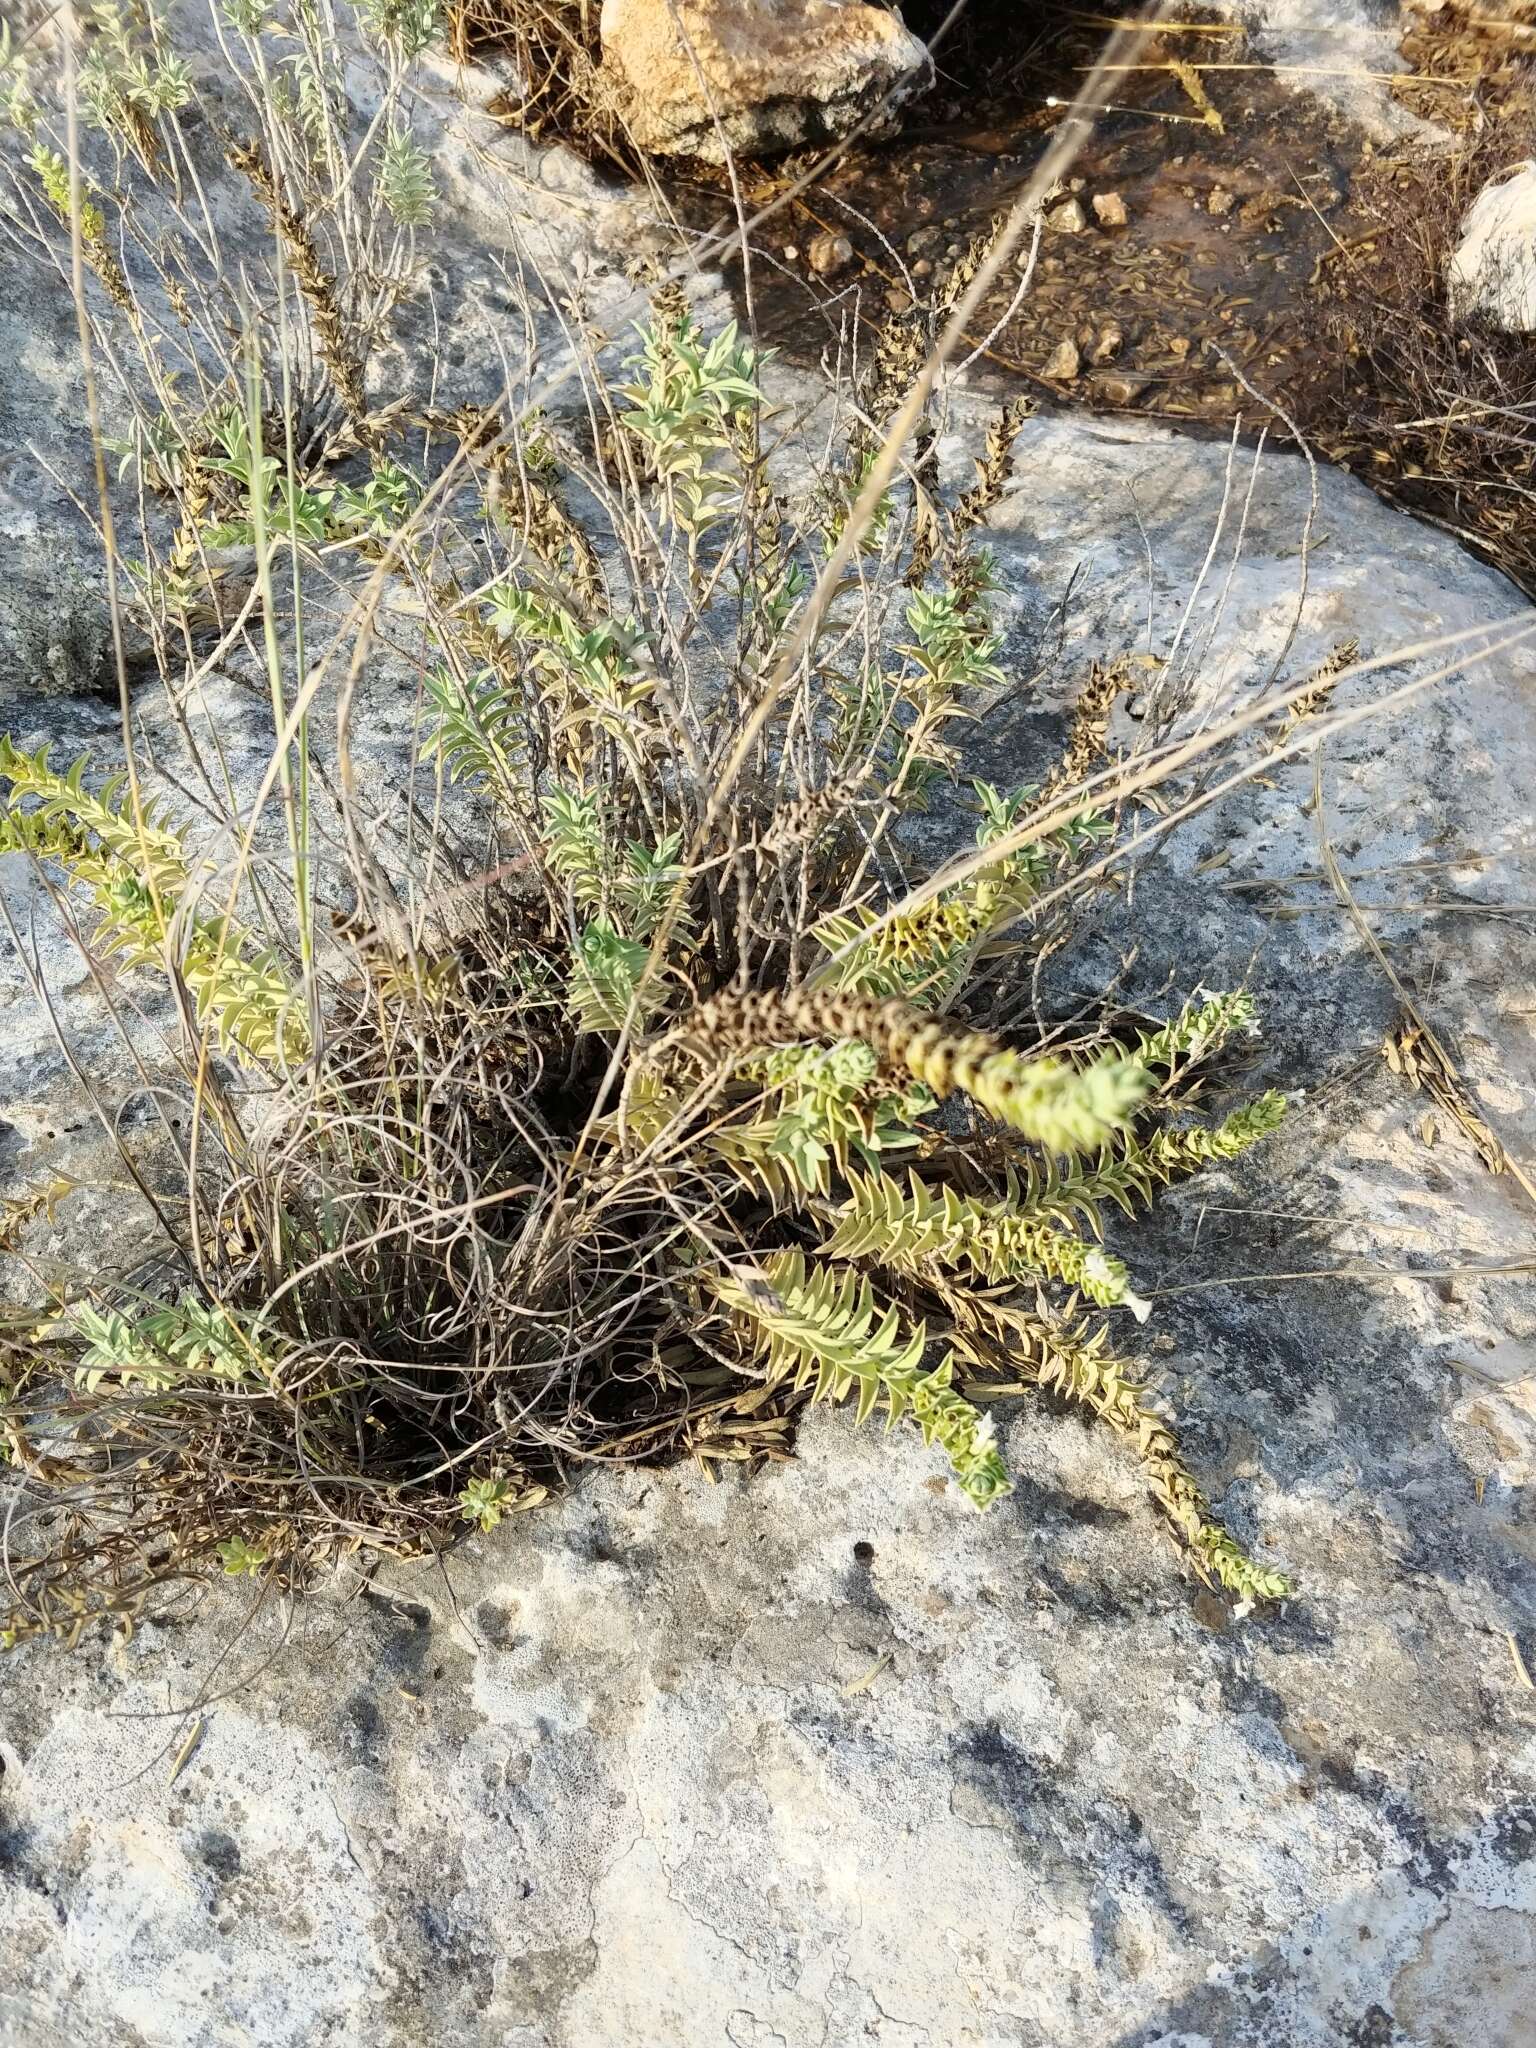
816	1759
1492	273
700	78
1344	52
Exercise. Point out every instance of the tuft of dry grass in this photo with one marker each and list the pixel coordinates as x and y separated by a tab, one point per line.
555	48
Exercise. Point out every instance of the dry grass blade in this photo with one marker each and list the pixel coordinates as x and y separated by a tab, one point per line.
1416	1053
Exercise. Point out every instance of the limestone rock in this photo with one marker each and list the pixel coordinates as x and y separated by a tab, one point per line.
752	76
1356	77
829	253
1492	273
1068	218
809	1758
772	1761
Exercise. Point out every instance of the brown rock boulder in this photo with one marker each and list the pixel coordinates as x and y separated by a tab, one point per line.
695	77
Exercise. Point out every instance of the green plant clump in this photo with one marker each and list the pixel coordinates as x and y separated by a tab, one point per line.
658	1114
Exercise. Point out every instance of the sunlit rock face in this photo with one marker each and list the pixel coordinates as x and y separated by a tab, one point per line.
752	77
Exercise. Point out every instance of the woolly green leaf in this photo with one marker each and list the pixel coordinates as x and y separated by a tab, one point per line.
166	1344
822	1327
475	729
241	1559
1062	1107
405	180
606	972
829	1106
577	848
1137	1165
1200	1027
1080	1368
137	873
993	1241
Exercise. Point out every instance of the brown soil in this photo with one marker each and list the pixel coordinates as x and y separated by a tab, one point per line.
1223	231
1251	258
1271	261
1439	418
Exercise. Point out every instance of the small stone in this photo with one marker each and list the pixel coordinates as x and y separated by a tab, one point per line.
749	77
925	242
922	267
829	253
1110	208
1109	342
1114	387
1063	363
898	300
1068	218
1218	200
791	253
1492	273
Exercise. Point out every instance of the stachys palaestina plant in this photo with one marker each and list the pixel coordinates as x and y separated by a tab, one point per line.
664	1113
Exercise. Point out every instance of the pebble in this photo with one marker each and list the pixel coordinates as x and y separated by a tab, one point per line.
1063	363
791	253
1109	342
922	267
1219	200
829	253
898	300
1110	208
1116	388
1068	218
